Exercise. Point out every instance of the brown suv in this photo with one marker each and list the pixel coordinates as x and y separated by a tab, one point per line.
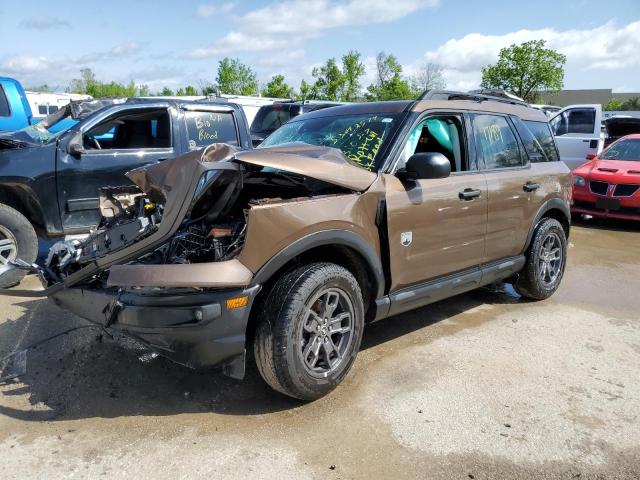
343	217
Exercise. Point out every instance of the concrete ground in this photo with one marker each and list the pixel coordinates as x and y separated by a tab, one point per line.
483	385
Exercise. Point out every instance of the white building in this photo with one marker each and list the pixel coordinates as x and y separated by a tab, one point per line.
46	103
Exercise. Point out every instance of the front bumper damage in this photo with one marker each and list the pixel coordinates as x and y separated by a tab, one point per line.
133	275
194	328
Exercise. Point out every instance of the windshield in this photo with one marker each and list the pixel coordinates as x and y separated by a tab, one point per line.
628	149
358	136
50	127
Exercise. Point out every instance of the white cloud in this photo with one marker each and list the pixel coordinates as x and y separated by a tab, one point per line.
123	50
608	46
289	23
26	64
208	10
43	22
279	61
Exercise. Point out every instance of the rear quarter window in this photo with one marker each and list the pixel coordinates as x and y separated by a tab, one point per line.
542	134
206	128
5	111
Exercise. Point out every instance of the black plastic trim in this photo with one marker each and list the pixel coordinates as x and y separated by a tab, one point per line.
552	204
317	239
415	296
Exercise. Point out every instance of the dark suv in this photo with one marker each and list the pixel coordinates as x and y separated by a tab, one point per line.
342	217
270	117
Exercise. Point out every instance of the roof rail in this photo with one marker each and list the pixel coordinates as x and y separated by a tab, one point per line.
474	96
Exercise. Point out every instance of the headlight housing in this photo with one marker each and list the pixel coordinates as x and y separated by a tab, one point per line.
579	181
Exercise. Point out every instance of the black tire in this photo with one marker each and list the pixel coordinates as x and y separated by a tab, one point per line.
280	344
19	231
534	281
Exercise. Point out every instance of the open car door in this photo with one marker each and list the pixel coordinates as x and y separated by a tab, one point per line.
577	129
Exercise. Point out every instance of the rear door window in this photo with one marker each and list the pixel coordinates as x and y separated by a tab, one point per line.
5	111
544	138
496	142
205	128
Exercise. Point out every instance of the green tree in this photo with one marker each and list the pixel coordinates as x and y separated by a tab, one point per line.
44	88
352	70
180	92
329	80
190	91
306	92
143	90
338	83
631	104
277	88
89	85
236	78
389	84
526	69
613	104
81	85
166	92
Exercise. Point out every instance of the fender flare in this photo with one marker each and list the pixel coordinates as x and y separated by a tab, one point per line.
317	239
552	204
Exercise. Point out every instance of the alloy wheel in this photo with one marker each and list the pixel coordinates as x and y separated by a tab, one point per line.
8	247
327	331
550	259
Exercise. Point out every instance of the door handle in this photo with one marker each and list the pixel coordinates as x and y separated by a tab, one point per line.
469	194
530	186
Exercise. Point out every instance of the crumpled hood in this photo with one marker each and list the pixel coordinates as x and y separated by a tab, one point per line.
322	163
163	179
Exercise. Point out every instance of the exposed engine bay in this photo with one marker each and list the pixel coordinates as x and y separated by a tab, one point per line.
213	229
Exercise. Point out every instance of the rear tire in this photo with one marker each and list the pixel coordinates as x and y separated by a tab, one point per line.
546	261
18	239
311	331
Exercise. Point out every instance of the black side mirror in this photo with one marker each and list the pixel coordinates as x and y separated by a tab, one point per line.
425	166
75	149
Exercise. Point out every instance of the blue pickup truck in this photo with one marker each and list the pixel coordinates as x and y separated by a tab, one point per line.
15	112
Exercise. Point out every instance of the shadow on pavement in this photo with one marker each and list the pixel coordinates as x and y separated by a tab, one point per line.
606	224
86	374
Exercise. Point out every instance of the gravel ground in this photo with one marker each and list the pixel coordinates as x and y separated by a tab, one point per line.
484	385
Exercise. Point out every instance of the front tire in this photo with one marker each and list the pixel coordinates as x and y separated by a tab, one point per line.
311	331
546	261
18	239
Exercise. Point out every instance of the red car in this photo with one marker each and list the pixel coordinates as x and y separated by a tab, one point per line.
608	185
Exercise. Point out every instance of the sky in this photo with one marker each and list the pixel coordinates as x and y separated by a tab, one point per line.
171	43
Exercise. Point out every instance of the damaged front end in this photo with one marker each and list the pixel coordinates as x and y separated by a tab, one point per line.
165	264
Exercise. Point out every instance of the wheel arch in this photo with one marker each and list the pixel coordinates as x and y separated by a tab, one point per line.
22	200
555	208
341	247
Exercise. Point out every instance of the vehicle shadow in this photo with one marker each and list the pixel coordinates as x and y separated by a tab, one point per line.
86	374
606	224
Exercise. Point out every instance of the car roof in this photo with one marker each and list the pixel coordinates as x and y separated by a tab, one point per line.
362	108
522	111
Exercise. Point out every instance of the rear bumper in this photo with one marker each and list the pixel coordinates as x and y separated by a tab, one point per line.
190	327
